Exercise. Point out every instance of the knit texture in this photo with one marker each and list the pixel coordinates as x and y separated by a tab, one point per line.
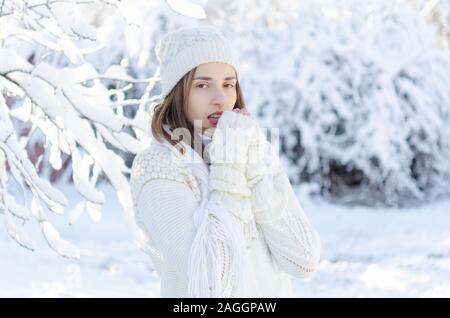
167	193
181	50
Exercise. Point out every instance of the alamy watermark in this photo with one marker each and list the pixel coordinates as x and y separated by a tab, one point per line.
232	145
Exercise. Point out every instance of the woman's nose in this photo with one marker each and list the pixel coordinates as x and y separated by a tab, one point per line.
219	96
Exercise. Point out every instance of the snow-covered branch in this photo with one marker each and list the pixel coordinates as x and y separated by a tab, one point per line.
72	107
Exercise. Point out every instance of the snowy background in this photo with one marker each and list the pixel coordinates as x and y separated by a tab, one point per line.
360	94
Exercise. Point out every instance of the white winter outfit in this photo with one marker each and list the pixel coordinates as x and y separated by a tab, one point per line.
231	228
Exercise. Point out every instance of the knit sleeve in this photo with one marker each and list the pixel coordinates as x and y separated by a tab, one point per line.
293	242
164	212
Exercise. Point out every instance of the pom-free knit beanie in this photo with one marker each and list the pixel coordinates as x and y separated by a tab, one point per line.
183	49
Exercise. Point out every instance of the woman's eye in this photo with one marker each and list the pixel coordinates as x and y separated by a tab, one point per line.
227	85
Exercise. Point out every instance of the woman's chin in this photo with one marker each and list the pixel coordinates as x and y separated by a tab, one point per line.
209	131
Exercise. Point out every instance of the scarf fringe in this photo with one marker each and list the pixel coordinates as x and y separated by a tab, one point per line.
218	228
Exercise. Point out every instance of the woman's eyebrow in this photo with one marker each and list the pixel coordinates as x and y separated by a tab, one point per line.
210	78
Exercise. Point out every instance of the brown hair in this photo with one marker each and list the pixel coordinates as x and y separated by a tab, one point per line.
172	111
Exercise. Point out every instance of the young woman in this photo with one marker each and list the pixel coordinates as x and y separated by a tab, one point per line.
217	208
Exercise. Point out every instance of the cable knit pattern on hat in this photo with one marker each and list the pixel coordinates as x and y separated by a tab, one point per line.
181	50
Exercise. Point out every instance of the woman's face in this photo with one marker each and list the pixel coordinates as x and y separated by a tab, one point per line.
213	90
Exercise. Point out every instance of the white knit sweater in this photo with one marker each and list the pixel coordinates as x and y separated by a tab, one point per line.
167	188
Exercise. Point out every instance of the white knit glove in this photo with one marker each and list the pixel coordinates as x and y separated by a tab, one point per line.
228	152
228	155
262	159
232	137
266	180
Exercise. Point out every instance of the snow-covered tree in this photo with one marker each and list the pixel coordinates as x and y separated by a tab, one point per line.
360	94
69	103
80	76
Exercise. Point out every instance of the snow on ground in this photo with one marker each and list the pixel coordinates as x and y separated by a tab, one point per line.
380	252
365	253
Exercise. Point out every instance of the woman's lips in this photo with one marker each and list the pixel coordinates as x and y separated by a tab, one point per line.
213	121
214	118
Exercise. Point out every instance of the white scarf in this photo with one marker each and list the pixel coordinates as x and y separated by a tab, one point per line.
219	231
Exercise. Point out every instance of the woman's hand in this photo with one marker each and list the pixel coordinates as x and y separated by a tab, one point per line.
242	111
261	158
210	131
232	137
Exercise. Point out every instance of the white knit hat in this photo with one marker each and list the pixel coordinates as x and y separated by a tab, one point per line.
181	50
